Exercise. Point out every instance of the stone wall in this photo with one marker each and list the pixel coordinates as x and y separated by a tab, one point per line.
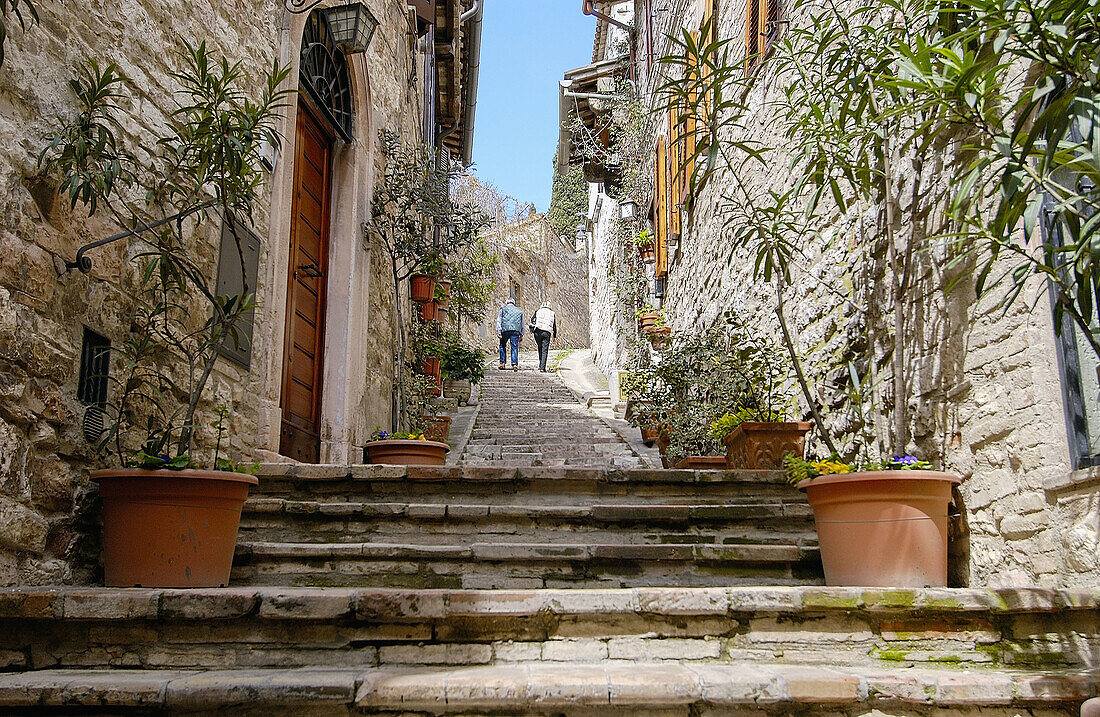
544	267
47	502
985	398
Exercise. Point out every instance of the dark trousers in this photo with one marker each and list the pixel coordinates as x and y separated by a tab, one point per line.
542	338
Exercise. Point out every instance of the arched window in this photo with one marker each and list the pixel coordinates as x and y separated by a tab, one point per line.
323	74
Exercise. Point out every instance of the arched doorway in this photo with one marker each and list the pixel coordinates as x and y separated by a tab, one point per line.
324	117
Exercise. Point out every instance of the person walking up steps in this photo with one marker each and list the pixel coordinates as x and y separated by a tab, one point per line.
544	326
510	331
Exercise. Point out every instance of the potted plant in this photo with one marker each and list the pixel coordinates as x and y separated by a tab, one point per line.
172	508
428	310
659	334
643	241
442	293
463	366
883	526
647	317
404	448
421	287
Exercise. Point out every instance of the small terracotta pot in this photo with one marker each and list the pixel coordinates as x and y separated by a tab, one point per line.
649	254
406	453
649	435
659	335
458	388
429	310
421	287
646	321
445	289
171	529
702	463
761	446
882	528
438	428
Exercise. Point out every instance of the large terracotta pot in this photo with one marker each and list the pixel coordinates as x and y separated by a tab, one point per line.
882	528
407	453
429	310
421	287
438	428
702	463
171	529
761	446
459	388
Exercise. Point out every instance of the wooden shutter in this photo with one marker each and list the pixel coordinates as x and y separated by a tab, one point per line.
661	202
674	165
763	18
689	126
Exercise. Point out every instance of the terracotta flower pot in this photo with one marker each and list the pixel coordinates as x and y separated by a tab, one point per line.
172	529
659	335
882	528
458	388
438	428
445	289
647	320
649	435
429	310
405	452
421	287
761	446
649	254
702	463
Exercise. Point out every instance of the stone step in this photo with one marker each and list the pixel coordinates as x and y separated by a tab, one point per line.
529	690
256	627
504	565
290	520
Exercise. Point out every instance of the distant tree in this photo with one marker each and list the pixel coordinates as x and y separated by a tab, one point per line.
568	201
501	208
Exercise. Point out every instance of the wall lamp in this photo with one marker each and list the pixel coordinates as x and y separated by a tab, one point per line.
352	25
628	209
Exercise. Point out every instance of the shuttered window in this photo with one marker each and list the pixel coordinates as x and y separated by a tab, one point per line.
661	204
763	19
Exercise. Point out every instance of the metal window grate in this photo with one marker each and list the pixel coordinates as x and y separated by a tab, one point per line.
95	361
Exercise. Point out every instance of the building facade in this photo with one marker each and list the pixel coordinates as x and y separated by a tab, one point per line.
998	397
536	266
314	377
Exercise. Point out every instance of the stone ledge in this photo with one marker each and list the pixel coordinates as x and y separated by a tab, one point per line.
279	603
521	685
1084	478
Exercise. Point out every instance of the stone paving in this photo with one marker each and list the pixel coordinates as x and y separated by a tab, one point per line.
531	418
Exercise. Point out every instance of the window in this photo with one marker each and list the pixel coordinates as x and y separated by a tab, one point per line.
91	389
1079	365
230	272
763	19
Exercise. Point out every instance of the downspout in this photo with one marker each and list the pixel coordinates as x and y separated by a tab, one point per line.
589	8
471	80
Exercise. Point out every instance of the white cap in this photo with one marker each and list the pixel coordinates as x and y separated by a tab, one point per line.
511	301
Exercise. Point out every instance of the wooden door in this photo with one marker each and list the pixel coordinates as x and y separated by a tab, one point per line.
303	354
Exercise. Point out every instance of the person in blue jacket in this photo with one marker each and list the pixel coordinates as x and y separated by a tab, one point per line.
510	331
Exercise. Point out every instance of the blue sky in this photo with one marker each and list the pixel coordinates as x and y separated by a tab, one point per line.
526	47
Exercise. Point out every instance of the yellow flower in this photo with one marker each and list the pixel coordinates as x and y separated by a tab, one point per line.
826	468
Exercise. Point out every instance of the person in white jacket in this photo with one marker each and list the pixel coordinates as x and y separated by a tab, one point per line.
544	326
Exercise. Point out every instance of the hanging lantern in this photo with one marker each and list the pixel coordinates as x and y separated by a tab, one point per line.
352	27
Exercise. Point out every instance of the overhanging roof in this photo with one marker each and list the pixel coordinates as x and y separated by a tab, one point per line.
579	94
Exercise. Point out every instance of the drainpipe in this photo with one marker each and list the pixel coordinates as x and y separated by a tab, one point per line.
589	8
477	12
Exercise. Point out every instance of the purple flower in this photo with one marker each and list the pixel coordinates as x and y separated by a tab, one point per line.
905	460
383	435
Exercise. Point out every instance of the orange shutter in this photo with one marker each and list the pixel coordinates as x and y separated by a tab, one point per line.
689	140
661	202
674	165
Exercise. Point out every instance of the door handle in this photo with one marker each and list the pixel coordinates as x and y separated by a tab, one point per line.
310	270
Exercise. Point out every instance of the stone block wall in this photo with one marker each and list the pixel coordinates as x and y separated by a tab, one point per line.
48	512
985	397
544	267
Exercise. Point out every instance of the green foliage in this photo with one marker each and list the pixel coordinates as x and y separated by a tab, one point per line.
12	7
568	202
207	171
472	284
463	362
643	239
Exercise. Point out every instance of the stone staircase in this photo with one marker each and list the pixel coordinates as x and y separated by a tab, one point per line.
519	582
493	527
528	418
